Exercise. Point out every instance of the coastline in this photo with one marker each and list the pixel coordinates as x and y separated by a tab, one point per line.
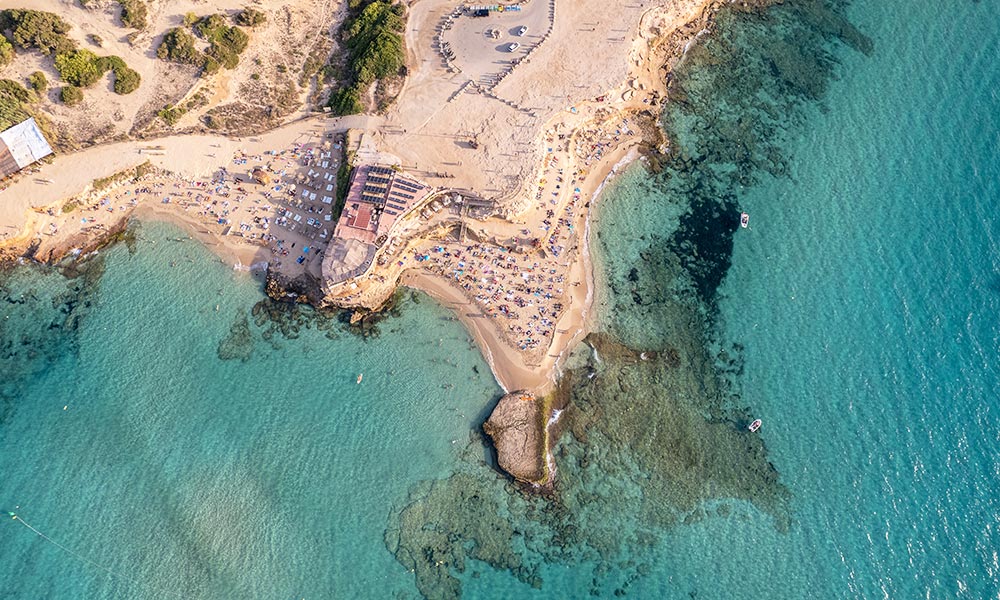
653	52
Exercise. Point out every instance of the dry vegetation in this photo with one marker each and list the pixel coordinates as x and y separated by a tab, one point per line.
238	66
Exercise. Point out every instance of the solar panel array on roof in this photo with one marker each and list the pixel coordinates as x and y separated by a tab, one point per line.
401	195
396	206
377	180
406	186
380	170
373	189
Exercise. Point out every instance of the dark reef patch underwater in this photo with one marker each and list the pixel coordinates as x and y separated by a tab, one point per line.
42	310
657	434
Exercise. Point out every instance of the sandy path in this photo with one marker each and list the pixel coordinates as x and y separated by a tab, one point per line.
188	156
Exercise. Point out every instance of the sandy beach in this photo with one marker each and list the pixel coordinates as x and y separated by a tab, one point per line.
548	132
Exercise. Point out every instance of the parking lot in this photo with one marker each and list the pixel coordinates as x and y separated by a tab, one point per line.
480	46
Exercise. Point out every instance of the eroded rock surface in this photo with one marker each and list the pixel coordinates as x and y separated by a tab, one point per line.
517	428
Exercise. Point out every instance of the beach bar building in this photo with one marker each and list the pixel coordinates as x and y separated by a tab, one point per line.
377	196
20	146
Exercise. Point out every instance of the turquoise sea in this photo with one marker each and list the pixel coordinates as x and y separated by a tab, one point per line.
177	436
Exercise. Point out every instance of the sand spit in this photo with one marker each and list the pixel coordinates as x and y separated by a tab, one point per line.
548	130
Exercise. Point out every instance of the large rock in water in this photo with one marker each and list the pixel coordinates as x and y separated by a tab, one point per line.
517	428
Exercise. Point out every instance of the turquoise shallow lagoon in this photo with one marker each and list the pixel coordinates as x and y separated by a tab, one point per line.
214	446
269	477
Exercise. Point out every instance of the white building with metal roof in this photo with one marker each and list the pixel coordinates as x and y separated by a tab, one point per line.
20	146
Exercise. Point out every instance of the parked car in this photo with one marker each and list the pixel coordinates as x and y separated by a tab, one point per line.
523	29
513	46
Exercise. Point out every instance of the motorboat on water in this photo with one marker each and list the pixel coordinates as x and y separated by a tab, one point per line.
754	426
360	377
744	220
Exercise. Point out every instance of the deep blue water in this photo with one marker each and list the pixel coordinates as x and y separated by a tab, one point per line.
857	316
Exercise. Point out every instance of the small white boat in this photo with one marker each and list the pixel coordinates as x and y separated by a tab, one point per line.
360	377
744	220
754	426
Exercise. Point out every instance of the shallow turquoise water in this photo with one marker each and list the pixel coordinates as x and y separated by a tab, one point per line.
266	478
856	317
865	295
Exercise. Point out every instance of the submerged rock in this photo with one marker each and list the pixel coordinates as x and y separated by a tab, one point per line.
303	289
517	428
239	343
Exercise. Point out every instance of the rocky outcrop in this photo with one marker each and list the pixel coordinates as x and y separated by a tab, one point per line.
517	428
302	289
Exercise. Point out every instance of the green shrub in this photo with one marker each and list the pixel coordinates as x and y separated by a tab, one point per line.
223	55
79	68
37	29
236	39
11	112
210	25
130	175
170	114
71	95
13	97
109	63
250	17
133	13
190	19
39	82
178	46
210	66
126	81
375	50
6	52
226	45
14	90
346	101
375	42
343	185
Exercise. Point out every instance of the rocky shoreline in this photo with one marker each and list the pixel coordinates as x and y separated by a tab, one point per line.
517	427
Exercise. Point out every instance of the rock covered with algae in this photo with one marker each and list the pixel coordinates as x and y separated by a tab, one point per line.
517	428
